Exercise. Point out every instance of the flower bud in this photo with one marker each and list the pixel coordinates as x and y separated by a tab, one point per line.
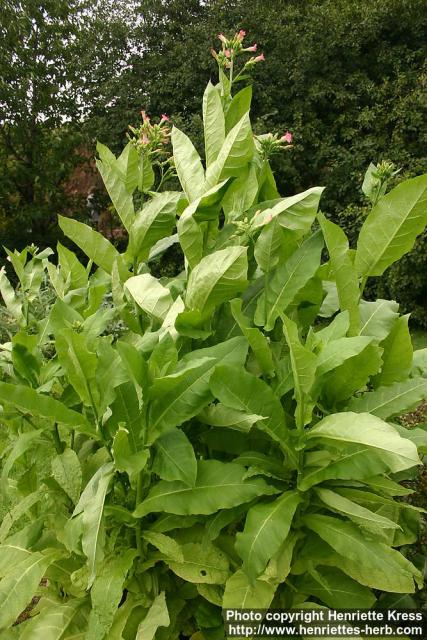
251	49
223	39
288	137
240	35
259	58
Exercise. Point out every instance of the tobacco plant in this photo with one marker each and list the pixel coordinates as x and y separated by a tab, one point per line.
223	438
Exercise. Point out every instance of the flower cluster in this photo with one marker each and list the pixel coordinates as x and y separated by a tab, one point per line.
150	138
233	47
270	143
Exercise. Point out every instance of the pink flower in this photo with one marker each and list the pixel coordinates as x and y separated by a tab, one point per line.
288	137
227	53
251	49
222	37
259	58
241	35
164	118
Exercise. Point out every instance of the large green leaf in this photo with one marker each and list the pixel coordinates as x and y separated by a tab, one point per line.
27	400
114	181
391	400
336	352
371	563
243	593
66	470
150	295
368	430
239	105
219	415
238	389
295	212
236	151
257	341
336	589
360	515
93	244
213	122
343	270
106	594
51	622
217	278
175	458
303	364
188	165
202	564
269	246
397	355
377	318
156	220
21	582
288	280
219	485
181	395
157	616
91	505
267	526
391	228
80	365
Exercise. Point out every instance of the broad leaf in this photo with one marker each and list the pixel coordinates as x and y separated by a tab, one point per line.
114	182
243	593
391	228
397	355
157	616
392	400
257	341
202	564
67	472
336	590
150	295
214	123
93	244
155	221
188	165
267	526
219	485
175	458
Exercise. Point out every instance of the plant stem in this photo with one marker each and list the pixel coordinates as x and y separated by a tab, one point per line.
56	439
138	499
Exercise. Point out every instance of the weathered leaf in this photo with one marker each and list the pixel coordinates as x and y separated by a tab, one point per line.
392	226
51	623
219	485
267	526
202	564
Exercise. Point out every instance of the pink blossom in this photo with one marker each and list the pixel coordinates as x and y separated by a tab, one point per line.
241	35
222	37
259	58
288	137
164	118
251	49
227	53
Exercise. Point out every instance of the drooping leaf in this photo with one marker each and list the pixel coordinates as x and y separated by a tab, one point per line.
295	212
93	244
391	400
371	563
219	485
267	526
51	623
360	515
370	431
392	226
21	582
336	589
